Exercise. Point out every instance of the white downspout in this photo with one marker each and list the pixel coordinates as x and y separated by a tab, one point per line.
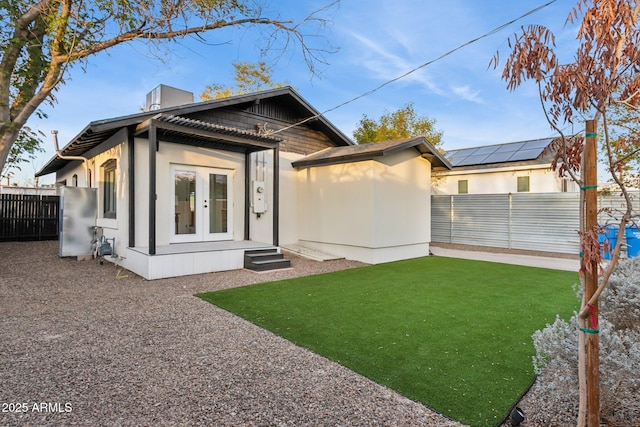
61	156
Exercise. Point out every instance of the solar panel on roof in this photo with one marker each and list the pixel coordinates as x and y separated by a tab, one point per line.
510	147
459	156
486	150
472	160
468	151
498	157
510	152
456	155
539	143
525	155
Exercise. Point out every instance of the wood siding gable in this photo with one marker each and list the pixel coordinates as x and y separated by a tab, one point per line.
271	115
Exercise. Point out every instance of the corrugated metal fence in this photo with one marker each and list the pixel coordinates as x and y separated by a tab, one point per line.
530	221
27	217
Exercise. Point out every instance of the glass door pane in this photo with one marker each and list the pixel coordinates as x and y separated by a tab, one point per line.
218	203
185	202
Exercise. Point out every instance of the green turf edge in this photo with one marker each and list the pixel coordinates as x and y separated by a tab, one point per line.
469	369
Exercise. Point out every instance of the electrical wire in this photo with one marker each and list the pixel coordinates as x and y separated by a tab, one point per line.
444	55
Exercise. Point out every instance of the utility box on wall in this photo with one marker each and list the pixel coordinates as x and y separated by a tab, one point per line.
258	197
78	213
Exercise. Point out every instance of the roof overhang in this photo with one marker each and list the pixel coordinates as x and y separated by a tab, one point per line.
181	130
372	151
95	137
97	132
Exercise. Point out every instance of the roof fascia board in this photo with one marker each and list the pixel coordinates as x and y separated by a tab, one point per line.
332	161
416	143
116	139
433	151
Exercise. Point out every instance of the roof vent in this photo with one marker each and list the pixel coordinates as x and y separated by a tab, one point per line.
165	96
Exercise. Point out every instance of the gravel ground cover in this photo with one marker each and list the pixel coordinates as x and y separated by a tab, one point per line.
84	344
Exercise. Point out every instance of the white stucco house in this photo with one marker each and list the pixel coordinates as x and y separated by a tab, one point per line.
30	191
191	187
515	167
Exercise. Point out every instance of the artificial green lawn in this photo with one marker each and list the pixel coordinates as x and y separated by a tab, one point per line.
453	334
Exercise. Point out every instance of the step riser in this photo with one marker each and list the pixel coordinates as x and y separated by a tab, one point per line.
261	251
262	257
265	260
280	264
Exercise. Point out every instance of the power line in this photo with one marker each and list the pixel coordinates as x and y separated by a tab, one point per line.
444	55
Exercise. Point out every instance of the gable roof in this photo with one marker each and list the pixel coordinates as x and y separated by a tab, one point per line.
500	153
355	153
99	131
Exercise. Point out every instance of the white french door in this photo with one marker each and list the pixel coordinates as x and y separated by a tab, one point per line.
202	208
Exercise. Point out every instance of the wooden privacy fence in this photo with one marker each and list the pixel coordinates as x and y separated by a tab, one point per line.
530	221
28	217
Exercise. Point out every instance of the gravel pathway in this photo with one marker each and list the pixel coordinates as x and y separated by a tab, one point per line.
82	345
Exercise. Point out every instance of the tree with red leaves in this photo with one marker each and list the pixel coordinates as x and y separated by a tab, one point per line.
602	81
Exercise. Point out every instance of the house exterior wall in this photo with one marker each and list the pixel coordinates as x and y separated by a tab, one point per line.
90	175
65	175
261	226
371	211
289	202
170	154
501	180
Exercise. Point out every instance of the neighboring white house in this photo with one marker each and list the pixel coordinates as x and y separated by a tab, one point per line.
516	167
188	188
31	191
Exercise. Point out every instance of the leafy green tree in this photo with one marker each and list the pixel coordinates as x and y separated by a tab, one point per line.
249	78
399	124
40	41
27	145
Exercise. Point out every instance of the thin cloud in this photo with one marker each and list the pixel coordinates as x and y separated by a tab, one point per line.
386	65
466	93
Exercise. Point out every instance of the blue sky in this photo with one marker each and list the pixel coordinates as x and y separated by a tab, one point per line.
378	41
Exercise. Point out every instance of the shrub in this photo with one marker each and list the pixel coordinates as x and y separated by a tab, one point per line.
556	359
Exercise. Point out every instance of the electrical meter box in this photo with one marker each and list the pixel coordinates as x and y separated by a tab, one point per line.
259	197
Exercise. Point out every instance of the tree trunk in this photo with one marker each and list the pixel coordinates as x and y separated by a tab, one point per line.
591	279
7	140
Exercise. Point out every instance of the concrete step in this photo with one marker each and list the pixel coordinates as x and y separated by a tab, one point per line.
265	260
263	256
272	264
310	253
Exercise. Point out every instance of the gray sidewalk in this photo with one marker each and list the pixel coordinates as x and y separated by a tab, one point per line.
528	260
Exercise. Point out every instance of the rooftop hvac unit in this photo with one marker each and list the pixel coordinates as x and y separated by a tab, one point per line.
166	96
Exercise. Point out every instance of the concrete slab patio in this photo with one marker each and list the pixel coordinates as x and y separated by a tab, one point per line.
554	263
